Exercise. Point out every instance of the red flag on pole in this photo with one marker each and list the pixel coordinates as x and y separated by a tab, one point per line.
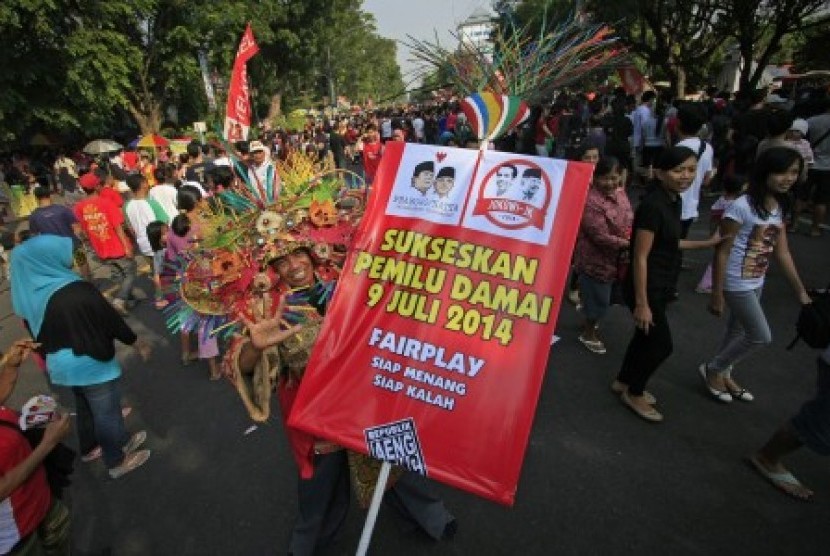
238	111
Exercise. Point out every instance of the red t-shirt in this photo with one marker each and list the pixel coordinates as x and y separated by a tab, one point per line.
99	219
28	504
371	159
130	160
112	196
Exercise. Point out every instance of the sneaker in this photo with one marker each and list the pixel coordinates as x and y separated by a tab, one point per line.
92	455
121	306
135	442
703	289
131	462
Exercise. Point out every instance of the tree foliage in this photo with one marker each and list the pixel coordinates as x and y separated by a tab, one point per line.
760	26
676	37
100	65
683	40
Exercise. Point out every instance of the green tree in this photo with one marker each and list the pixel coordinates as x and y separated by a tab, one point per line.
760	26
81	66
806	55
675	37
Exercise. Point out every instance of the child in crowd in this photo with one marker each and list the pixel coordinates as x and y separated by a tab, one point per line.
733	186
184	235
797	135
157	235
752	230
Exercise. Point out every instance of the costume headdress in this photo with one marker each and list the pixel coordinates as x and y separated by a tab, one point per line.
525	67
246	228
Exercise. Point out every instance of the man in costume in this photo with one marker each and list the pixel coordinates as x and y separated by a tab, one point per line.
323	490
274	267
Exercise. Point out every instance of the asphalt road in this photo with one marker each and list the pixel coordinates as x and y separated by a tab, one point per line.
596	478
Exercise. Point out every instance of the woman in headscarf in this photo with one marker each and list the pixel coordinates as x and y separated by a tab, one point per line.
76	328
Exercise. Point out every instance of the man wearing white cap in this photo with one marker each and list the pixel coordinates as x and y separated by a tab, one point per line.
796	135
261	171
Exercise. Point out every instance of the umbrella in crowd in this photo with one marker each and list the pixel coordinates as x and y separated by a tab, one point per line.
101	146
153	141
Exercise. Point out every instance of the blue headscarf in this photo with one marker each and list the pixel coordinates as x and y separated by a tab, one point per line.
40	266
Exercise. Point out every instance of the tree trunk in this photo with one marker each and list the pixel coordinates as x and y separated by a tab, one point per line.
149	121
275	108
747	55
679	82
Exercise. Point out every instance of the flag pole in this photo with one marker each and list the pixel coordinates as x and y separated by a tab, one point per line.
372	516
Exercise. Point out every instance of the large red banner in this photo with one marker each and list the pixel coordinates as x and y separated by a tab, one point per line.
434	347
238	110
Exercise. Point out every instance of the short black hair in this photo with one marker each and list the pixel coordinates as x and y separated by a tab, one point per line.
425	166
221	175
134	182
194	149
188	197
446	171
690	118
154	230
42	192
513	169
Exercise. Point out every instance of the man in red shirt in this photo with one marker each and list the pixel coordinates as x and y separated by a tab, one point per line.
103	225
31	522
372	150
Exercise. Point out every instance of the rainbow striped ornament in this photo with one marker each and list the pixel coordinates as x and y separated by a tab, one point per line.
491	115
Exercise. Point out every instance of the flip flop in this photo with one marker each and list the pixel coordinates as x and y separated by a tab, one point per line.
651	415
782	481
594	346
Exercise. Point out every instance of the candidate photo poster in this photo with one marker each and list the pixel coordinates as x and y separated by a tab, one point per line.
434	347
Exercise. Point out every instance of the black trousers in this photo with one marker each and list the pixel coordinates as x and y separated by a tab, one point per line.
323	502
647	351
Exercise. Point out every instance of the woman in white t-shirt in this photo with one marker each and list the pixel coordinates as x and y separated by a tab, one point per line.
754	231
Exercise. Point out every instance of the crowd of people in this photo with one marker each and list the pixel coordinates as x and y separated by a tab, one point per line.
129	210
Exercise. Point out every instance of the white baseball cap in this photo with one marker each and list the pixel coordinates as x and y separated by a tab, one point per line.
255	146
800	125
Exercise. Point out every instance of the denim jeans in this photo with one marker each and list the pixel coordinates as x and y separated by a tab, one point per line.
123	271
746	331
595	297
100	421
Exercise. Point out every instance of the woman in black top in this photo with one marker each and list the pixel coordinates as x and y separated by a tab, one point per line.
655	251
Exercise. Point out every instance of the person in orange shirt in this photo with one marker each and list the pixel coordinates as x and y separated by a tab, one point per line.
147	169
